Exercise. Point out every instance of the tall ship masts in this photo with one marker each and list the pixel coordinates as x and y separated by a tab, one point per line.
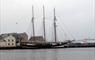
55	34
33	21
44	31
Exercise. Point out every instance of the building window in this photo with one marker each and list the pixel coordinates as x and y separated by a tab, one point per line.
8	43
8	40
12	43
12	40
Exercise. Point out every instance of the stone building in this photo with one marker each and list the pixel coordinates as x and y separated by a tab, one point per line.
22	38
7	41
13	39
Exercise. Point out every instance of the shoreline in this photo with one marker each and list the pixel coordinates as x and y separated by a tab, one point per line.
43	48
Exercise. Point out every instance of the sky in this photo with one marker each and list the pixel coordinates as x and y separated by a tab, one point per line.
75	18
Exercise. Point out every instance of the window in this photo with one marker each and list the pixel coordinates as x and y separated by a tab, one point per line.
8	43
8	40
12	43
12	40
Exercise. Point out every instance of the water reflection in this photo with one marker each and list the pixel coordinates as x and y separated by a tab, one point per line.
49	54
42	55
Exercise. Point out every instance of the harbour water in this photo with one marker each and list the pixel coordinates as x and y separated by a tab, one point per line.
49	54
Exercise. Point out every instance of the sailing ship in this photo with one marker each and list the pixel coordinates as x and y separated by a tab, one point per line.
41	41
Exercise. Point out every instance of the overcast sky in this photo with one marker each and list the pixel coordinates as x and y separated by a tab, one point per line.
76	17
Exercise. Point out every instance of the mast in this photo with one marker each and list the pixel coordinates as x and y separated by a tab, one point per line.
0	25
33	21
44	31
55	34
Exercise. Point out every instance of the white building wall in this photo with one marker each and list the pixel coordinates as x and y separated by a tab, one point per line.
10	41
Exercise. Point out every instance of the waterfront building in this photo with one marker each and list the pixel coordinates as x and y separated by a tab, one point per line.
7	40
2	43
22	39
13	39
